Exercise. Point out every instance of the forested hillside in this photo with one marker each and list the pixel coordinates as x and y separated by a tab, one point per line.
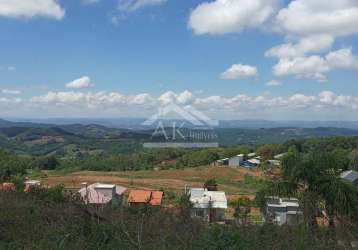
78	141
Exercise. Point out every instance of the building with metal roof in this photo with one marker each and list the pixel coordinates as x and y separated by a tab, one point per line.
208	205
350	176
101	194
283	210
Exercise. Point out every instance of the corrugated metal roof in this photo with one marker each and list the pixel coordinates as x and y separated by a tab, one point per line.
91	195
100	185
204	199
197	192
274	201
350	175
32	182
254	161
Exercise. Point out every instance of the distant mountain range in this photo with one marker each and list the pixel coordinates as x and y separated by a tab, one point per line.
86	138
136	123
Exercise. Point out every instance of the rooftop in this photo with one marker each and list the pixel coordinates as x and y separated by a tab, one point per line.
350	175
32	182
145	196
100	185
282	202
91	195
201	198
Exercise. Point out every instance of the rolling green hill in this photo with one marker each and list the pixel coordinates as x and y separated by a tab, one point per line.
78	141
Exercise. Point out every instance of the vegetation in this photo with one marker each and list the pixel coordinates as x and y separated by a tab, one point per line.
49	219
314	178
30	221
10	166
83	141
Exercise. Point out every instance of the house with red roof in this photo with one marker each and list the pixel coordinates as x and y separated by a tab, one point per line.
153	198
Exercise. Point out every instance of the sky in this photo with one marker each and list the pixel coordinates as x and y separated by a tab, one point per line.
231	59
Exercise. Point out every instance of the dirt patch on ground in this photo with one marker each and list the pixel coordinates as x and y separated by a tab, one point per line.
174	180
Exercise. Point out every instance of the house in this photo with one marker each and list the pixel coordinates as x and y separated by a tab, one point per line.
221	162
137	197
31	184
102	194
283	211
236	160
350	176
208	205
8	186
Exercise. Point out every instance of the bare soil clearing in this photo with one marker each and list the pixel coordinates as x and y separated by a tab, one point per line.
231	180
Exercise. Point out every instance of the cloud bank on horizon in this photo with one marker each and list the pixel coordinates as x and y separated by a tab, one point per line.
241	106
310	49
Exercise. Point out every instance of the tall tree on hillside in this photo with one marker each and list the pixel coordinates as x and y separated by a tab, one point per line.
11	165
268	151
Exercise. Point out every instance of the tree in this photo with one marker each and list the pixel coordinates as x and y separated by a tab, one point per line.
46	163
211	185
353	160
314	178
268	151
11	165
185	205
243	210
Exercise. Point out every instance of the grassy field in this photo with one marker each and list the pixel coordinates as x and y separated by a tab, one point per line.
234	181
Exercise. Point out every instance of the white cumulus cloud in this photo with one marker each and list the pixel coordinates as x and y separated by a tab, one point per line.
31	8
230	16
316	43
169	97
315	67
239	70
312	17
323	105
312	27
83	82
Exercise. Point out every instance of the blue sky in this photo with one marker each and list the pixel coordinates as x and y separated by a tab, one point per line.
127	57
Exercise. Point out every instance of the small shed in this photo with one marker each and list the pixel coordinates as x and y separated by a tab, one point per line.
236	160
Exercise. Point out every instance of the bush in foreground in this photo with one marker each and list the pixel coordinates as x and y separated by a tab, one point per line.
30	221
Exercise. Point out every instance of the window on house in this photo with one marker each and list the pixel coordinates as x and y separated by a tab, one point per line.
199	213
